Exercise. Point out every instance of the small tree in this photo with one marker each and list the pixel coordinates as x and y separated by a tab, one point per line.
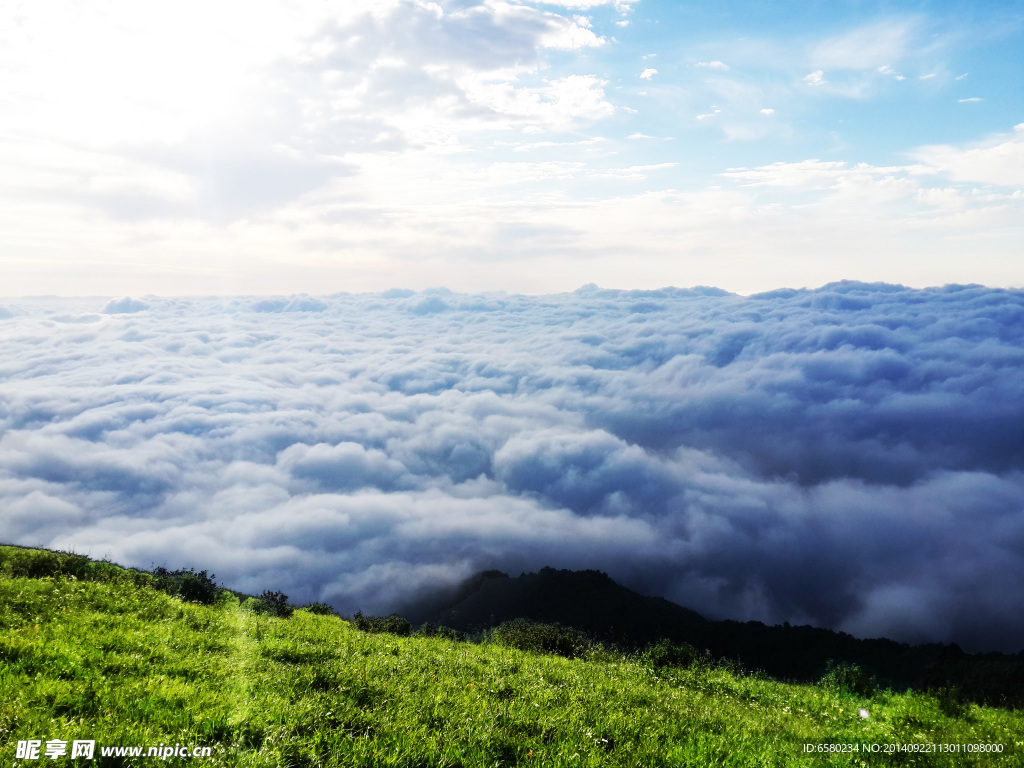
848	678
320	609
664	654
188	584
271	604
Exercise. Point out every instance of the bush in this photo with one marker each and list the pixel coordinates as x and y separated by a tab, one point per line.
252	604
320	609
393	624
270	604
188	584
848	678
664	654
429	630
952	700
543	638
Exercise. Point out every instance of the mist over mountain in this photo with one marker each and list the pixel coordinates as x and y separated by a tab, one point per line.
848	457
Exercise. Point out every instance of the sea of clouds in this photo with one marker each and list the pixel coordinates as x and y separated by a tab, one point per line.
849	457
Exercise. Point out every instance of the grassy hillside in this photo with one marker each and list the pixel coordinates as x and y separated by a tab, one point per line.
97	652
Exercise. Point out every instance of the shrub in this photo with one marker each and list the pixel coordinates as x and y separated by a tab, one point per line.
429	630
848	678
188	584
393	624
952	700
271	604
252	604
320	609
543	638
664	654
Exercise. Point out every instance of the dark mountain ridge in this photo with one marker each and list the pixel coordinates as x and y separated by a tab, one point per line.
586	600
590	601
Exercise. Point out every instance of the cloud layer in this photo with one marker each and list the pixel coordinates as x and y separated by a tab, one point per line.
849	456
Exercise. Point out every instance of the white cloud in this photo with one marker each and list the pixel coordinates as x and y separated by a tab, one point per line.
584	4
270	104
806	173
576	35
999	160
717	65
584	143
815	78
767	111
648	73
632	172
867	47
970	100
558	103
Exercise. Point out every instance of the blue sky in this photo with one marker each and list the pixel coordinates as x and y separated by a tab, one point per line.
493	145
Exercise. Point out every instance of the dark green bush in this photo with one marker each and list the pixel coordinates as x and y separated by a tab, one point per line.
543	638
188	584
394	624
271	604
429	630
664	654
848	678
320	609
952	700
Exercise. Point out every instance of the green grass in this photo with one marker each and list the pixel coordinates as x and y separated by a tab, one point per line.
119	661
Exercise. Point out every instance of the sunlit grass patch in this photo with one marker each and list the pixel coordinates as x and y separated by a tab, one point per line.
123	662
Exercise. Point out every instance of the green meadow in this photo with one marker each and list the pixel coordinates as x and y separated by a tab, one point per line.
90	651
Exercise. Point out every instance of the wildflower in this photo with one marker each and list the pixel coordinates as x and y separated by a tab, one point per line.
864	714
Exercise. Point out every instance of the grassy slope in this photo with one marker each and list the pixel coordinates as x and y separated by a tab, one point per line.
124	664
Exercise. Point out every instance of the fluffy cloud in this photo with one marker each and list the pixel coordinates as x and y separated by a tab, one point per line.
848	456
817	77
270	106
999	160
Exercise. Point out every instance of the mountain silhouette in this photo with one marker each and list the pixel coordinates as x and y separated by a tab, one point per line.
586	600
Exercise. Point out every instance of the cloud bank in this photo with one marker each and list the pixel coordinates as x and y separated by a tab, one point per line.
849	456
